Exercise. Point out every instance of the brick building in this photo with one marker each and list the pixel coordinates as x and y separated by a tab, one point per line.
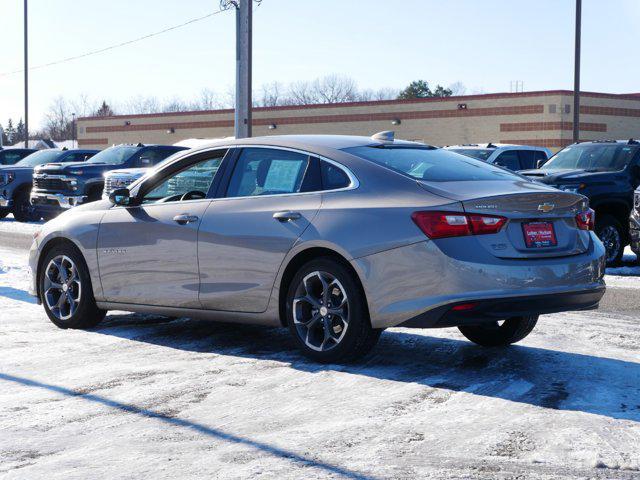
533	118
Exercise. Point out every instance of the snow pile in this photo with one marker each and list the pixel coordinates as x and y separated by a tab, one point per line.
161	398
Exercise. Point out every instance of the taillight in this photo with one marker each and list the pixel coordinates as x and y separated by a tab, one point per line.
586	220
451	224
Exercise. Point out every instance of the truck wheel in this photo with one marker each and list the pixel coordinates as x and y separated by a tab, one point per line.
4	212
500	334
65	289
23	211
610	233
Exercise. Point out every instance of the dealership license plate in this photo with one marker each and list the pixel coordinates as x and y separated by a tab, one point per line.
539	234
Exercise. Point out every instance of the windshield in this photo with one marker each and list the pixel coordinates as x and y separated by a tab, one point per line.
114	155
479	153
432	165
593	156
40	158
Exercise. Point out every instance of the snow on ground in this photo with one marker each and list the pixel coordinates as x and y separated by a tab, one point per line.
8	224
144	396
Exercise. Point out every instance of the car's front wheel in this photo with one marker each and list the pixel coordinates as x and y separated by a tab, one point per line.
23	211
4	212
500	334
66	291
327	313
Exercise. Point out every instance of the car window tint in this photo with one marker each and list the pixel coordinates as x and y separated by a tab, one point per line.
508	159
9	158
431	164
153	156
264	171
333	177
527	159
197	177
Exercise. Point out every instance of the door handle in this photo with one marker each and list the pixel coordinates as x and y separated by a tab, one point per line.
286	216
184	219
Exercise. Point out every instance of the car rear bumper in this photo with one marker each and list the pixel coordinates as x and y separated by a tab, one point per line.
418	284
483	310
55	201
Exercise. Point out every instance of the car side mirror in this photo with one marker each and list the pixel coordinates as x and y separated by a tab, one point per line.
540	163
121	197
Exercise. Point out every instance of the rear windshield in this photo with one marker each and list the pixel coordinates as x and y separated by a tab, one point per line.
479	153
432	165
593	156
40	158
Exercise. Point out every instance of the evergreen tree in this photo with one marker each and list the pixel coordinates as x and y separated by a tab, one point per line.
420	89
104	110
20	131
10	132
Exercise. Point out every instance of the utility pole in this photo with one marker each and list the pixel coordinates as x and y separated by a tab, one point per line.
26	79
73	131
576	78
244	25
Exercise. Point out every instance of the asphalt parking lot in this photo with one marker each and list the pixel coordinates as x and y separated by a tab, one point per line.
144	396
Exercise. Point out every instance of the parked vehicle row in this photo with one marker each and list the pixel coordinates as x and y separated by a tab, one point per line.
335	237
513	157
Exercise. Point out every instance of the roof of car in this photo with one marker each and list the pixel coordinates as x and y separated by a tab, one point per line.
492	146
337	142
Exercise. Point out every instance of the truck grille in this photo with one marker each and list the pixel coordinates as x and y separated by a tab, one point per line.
111	183
44	183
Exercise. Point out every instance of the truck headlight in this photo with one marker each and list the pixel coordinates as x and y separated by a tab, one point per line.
571	188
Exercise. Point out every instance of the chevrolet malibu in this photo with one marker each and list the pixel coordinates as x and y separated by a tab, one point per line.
334	237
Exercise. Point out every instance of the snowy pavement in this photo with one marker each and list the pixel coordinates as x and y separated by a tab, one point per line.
143	397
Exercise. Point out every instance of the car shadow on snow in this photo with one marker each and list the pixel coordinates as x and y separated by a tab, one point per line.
536	376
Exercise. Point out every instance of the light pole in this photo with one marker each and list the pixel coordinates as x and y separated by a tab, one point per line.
73	130
576	75
244	21
26	78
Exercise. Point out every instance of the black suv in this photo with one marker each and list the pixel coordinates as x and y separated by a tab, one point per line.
58	187
605	171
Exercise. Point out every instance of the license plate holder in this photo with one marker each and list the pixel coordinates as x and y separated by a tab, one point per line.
539	234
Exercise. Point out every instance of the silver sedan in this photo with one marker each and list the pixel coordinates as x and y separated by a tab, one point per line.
334	237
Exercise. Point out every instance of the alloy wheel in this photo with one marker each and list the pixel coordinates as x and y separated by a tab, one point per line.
321	311
62	287
610	237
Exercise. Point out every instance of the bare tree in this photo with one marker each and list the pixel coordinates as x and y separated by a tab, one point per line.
335	89
208	100
271	95
457	88
141	104
58	121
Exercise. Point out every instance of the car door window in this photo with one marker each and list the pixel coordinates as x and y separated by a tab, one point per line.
10	158
191	183
508	159
76	157
264	171
527	159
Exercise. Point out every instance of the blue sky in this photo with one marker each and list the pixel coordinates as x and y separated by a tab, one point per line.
483	44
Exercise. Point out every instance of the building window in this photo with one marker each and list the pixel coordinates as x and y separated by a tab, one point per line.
552	108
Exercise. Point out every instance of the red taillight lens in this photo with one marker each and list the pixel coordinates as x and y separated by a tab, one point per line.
453	224
586	220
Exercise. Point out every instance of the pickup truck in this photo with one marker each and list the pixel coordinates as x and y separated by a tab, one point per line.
58	187
11	156
16	180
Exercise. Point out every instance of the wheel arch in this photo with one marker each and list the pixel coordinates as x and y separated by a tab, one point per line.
618	210
298	260
47	247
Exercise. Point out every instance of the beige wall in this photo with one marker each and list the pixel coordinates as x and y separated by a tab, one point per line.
519	118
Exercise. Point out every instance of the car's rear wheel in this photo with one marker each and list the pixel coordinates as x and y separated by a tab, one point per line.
66	291
610	233
327	313
23	211
498	334
4	212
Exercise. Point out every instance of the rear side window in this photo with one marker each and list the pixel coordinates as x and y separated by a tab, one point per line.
153	156
432	165
265	171
509	159
333	177
9	158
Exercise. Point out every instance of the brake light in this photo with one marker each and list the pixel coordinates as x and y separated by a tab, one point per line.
452	224
586	220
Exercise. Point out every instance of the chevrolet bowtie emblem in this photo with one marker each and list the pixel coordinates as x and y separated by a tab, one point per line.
546	207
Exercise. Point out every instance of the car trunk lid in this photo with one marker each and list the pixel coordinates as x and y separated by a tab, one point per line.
541	221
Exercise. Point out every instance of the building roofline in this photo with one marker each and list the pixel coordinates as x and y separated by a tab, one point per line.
540	93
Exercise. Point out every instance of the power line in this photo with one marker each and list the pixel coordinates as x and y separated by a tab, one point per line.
118	45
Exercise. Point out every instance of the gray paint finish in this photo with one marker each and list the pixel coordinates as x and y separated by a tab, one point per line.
229	264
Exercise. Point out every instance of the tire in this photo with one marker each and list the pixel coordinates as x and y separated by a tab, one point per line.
94	195
85	314
511	331
23	211
350	336
611	233
4	212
